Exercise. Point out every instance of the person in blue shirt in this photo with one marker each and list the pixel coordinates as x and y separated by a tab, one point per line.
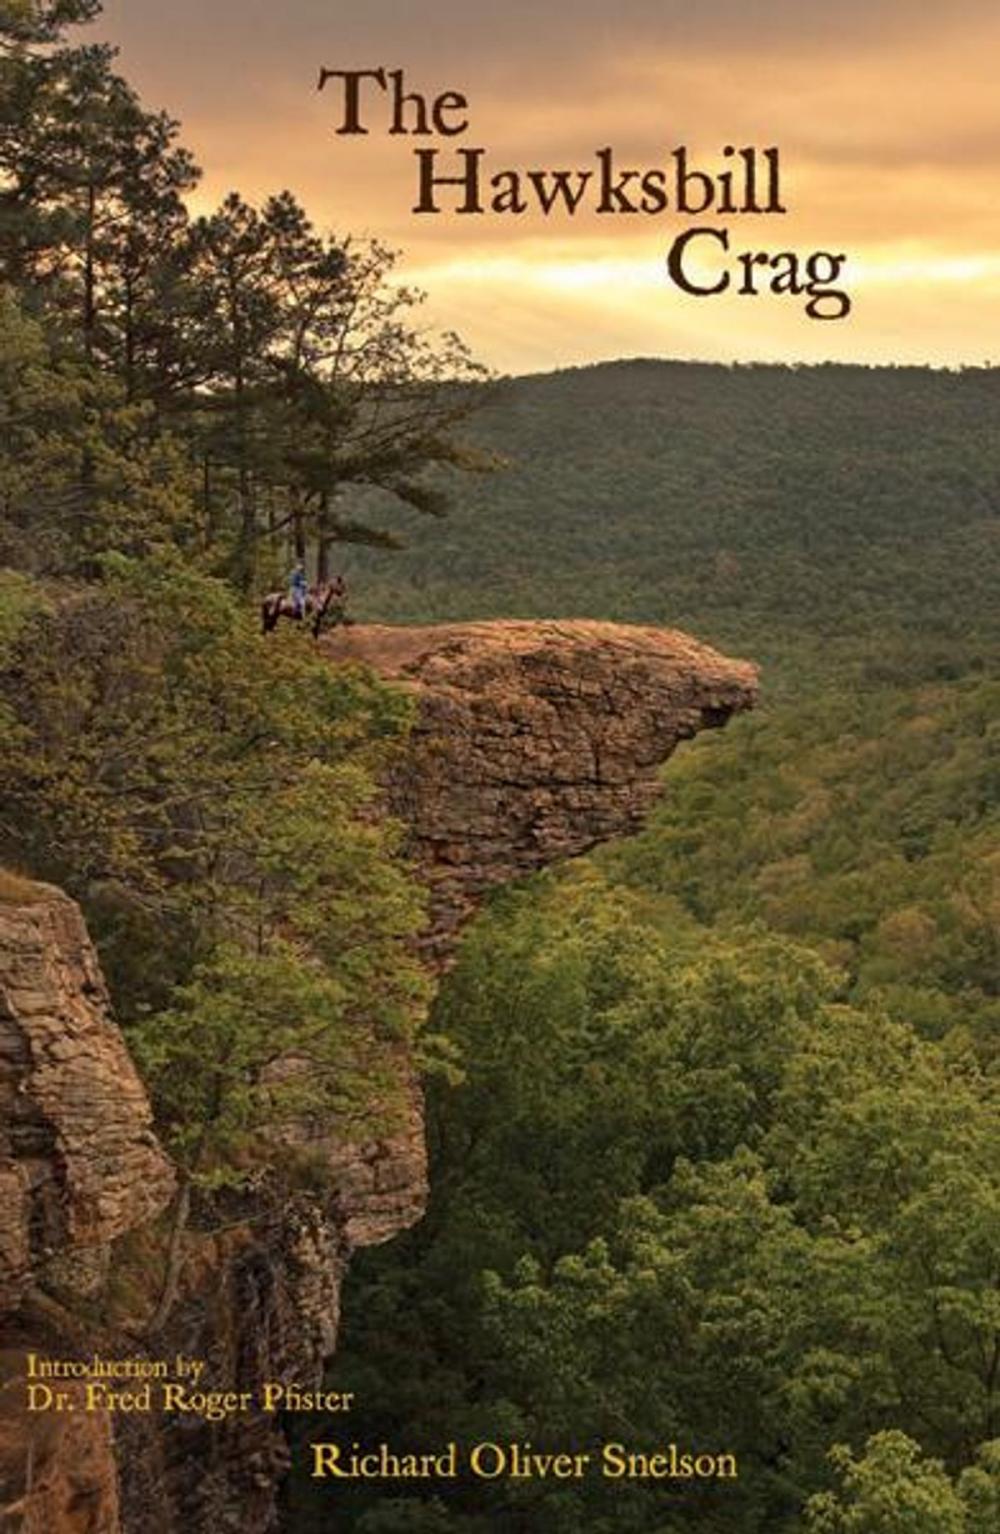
298	589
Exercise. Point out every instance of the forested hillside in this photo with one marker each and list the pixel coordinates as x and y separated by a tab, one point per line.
723	1171
791	513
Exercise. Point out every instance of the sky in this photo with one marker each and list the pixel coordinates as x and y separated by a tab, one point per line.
885	114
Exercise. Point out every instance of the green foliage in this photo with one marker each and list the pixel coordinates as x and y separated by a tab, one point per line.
207	795
865	825
723	1169
684	1195
160	720
81	472
819	519
258	1046
893	1489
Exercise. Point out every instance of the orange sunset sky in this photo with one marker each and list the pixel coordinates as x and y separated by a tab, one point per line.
886	113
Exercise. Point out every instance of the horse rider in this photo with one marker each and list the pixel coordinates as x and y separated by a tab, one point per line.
298	589
337	599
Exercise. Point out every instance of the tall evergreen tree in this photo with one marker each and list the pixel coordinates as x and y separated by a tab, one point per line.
92	197
288	363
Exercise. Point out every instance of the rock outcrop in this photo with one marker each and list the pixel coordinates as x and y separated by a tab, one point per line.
532	743
79	1167
259	1300
535	741
79	1164
57	1472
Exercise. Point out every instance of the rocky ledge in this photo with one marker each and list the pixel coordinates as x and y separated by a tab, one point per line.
535	741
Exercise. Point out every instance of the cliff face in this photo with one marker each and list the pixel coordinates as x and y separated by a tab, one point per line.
79	1164
532	743
79	1167
259	1301
535	741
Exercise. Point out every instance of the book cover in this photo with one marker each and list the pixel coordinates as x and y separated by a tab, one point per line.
499	768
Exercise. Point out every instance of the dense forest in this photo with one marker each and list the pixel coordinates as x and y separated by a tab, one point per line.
796	514
724	1167
723	1164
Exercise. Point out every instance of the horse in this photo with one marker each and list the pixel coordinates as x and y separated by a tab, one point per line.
328	599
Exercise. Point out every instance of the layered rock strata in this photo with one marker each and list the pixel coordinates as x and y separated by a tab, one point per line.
535	741
79	1164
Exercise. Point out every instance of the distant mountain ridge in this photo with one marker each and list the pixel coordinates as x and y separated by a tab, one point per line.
755	504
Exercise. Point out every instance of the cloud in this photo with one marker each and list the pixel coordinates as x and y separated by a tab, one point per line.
528	32
885	114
